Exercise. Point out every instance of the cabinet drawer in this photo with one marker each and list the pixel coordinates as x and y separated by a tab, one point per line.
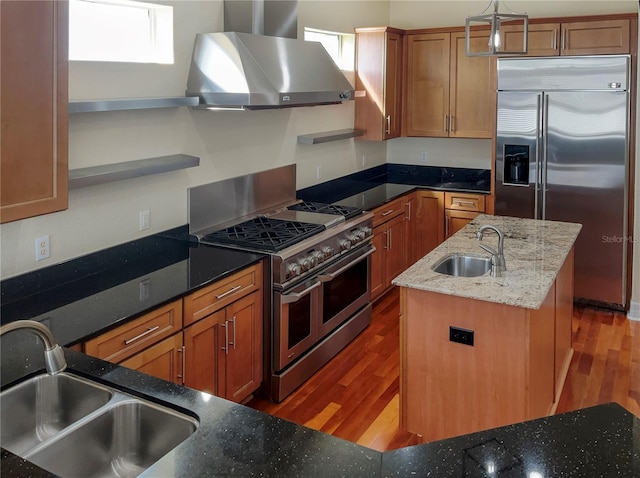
388	211
464	202
209	299
132	337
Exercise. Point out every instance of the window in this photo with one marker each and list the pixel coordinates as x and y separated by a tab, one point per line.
340	46
120	30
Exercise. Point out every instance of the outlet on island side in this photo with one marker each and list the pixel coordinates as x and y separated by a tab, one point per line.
42	248
461	336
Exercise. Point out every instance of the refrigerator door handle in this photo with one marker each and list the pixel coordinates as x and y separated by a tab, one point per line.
538	158
545	142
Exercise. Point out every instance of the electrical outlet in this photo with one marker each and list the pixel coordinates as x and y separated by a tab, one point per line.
145	289
318	172
145	220
461	336
425	156
42	248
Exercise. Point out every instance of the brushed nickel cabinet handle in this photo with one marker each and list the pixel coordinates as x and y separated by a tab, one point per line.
388	124
386	246
452	124
233	322
563	42
446	227
143	334
465	203
230	291
554	41
184	364
226	337
386	213
446	123
390	236
408	211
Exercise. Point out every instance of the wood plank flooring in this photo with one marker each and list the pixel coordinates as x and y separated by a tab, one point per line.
355	396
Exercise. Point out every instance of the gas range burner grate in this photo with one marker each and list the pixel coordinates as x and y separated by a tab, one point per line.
347	211
264	233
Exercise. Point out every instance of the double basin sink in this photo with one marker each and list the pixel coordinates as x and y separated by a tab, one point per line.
72	426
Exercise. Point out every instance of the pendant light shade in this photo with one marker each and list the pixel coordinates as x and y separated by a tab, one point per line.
494	20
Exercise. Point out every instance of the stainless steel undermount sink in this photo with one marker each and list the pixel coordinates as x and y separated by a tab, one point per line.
463	265
72	427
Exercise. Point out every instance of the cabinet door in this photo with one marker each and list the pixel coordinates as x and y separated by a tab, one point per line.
456	220
427	102
33	110
163	360
201	354
240	349
595	38
394	262
430	221
393	85
543	39
377	261
473	92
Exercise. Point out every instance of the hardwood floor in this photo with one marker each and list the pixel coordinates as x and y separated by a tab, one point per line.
355	396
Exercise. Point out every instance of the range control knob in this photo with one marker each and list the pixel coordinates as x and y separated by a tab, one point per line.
294	270
318	257
327	252
366	231
345	244
305	265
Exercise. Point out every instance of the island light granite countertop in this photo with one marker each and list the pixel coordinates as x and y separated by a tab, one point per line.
534	252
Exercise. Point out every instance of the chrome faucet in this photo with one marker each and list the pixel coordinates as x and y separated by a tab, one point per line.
53	354
498	265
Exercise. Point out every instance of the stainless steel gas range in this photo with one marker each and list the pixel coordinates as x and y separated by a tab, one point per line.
320	266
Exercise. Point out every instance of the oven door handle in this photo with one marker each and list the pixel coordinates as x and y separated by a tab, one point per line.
296	296
333	275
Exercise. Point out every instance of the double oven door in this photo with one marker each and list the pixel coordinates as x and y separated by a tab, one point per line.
309	311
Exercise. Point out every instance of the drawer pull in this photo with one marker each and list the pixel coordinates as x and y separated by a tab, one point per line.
143	334
230	291
386	213
465	203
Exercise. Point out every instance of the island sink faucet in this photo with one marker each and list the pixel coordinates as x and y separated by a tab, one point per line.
498	265
53	354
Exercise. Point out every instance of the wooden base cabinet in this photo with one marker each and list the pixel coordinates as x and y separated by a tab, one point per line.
389	240
513	372
163	360
460	210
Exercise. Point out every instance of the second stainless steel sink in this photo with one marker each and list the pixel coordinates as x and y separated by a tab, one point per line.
463	265
73	426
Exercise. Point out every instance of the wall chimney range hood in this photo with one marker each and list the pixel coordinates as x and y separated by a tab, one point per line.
240	70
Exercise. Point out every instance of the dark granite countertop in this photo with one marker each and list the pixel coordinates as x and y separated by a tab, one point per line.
370	188
234	440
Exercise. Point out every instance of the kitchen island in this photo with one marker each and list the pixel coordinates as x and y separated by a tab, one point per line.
481	352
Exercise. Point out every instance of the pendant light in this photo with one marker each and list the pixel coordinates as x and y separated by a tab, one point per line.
495	19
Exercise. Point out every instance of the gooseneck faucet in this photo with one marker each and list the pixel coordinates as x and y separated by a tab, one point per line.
53	354
498	264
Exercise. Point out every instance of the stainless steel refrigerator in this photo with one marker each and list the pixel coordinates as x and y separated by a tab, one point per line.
562	150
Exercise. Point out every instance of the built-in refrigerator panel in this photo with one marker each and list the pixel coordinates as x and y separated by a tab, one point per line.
586	150
569	117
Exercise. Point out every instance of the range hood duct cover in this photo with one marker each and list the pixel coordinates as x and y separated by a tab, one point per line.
278	18
244	70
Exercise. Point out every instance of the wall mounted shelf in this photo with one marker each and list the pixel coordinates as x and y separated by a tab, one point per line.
94	106
82	177
327	136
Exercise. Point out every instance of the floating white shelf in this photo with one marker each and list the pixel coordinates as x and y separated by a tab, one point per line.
327	136
79	178
94	106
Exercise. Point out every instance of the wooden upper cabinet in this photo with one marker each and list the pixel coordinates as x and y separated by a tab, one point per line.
33	110
543	38
595	38
472	92
427	102
598	37
448	93
378	83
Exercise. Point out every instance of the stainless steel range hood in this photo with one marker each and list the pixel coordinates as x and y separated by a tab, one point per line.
245	70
